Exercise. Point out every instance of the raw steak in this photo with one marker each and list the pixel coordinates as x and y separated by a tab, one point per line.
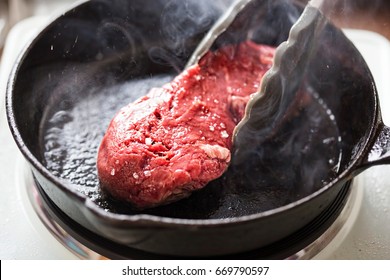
177	138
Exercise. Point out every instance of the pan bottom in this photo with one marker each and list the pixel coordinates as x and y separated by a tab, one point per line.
86	244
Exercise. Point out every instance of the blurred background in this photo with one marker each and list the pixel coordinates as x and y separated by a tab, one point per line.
373	15
13	11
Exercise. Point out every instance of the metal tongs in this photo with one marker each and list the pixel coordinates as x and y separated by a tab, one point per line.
216	30
280	84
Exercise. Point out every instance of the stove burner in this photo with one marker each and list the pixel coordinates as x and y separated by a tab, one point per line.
306	243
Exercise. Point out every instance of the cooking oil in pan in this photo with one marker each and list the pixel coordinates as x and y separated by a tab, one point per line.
287	159
303	156
71	137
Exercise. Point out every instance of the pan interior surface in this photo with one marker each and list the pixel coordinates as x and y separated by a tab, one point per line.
71	137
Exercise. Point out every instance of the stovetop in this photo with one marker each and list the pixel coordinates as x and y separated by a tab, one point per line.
23	236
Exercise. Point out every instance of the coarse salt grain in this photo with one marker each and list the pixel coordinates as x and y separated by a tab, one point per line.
224	134
148	141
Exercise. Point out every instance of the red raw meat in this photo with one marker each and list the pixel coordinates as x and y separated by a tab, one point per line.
178	138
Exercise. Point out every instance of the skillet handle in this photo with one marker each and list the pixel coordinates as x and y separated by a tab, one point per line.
380	151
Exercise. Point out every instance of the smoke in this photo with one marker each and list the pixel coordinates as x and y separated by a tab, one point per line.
103	55
290	141
182	23
185	19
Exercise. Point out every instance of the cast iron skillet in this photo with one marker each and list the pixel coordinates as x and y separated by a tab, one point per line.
99	55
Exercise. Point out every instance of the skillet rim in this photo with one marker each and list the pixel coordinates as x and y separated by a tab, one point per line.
148	220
